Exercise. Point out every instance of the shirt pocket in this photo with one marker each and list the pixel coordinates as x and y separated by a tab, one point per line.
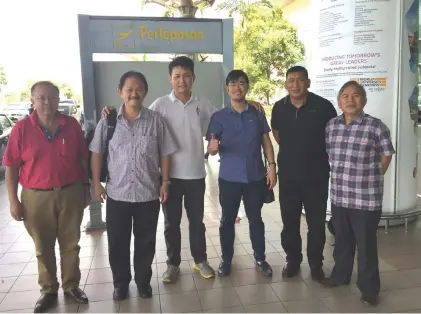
362	151
148	145
67	146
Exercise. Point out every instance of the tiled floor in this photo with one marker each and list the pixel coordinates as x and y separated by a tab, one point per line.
244	291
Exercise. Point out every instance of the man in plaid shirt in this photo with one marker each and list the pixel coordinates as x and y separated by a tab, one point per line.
360	151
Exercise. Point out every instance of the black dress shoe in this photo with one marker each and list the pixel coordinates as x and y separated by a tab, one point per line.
317	274
145	292
290	270
120	294
264	268
224	269
45	301
78	295
370	299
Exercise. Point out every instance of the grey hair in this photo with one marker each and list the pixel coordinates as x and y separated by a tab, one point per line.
355	84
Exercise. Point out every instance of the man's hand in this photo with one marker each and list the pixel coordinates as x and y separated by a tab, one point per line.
271	177
16	210
106	111
213	147
256	105
87	191
163	192
99	192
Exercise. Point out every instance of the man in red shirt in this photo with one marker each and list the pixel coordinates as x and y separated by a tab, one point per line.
47	154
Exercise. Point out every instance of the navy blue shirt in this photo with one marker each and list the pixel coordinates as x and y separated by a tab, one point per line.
240	147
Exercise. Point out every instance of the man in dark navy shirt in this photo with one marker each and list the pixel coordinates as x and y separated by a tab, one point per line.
298	124
238	133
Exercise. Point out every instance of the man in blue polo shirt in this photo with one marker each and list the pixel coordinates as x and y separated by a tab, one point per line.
238	133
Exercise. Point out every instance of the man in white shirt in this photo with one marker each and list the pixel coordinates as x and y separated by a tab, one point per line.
185	114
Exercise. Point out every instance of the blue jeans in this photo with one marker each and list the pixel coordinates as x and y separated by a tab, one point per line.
230	194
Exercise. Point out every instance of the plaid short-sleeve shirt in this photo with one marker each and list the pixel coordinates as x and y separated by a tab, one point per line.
354	154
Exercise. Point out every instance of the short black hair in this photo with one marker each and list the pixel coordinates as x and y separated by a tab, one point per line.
355	84
297	69
45	83
235	75
181	61
129	74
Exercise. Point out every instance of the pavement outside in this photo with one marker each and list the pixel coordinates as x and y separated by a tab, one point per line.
245	290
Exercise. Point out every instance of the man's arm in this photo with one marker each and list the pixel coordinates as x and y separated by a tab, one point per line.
12	161
165	164
276	136
213	135
96	166
385	161
12	182
384	146
274	122
268	149
167	146
83	150
97	147
267	143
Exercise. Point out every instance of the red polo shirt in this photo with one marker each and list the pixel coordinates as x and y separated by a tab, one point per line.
47	164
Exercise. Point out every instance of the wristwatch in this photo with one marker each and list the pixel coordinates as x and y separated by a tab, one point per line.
272	163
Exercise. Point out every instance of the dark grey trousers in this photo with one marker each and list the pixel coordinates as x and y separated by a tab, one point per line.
356	229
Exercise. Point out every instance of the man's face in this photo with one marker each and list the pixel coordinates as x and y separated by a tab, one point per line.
181	80
133	92
351	101
45	100
297	85
237	90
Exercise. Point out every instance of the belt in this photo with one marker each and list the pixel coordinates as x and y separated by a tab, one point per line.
54	189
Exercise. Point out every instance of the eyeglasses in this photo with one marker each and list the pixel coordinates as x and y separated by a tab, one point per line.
43	98
237	84
137	91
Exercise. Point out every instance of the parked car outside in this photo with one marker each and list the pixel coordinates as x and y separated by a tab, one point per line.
6	126
69	107
17	111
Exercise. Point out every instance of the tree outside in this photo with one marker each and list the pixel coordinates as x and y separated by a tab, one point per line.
265	46
3	79
66	90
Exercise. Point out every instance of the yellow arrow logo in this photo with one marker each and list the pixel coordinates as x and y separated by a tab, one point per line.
124	35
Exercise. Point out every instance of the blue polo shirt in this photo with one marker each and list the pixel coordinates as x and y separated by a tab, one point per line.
240	147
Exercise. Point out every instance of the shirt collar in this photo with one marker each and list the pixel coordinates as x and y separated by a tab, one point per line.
173	98
34	118
288	100
142	113
358	120
246	108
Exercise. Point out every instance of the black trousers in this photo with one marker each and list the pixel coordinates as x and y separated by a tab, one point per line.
230	194
193	192
356	228
120	218
292	196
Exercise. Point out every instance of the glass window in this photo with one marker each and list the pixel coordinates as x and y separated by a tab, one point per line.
5	122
